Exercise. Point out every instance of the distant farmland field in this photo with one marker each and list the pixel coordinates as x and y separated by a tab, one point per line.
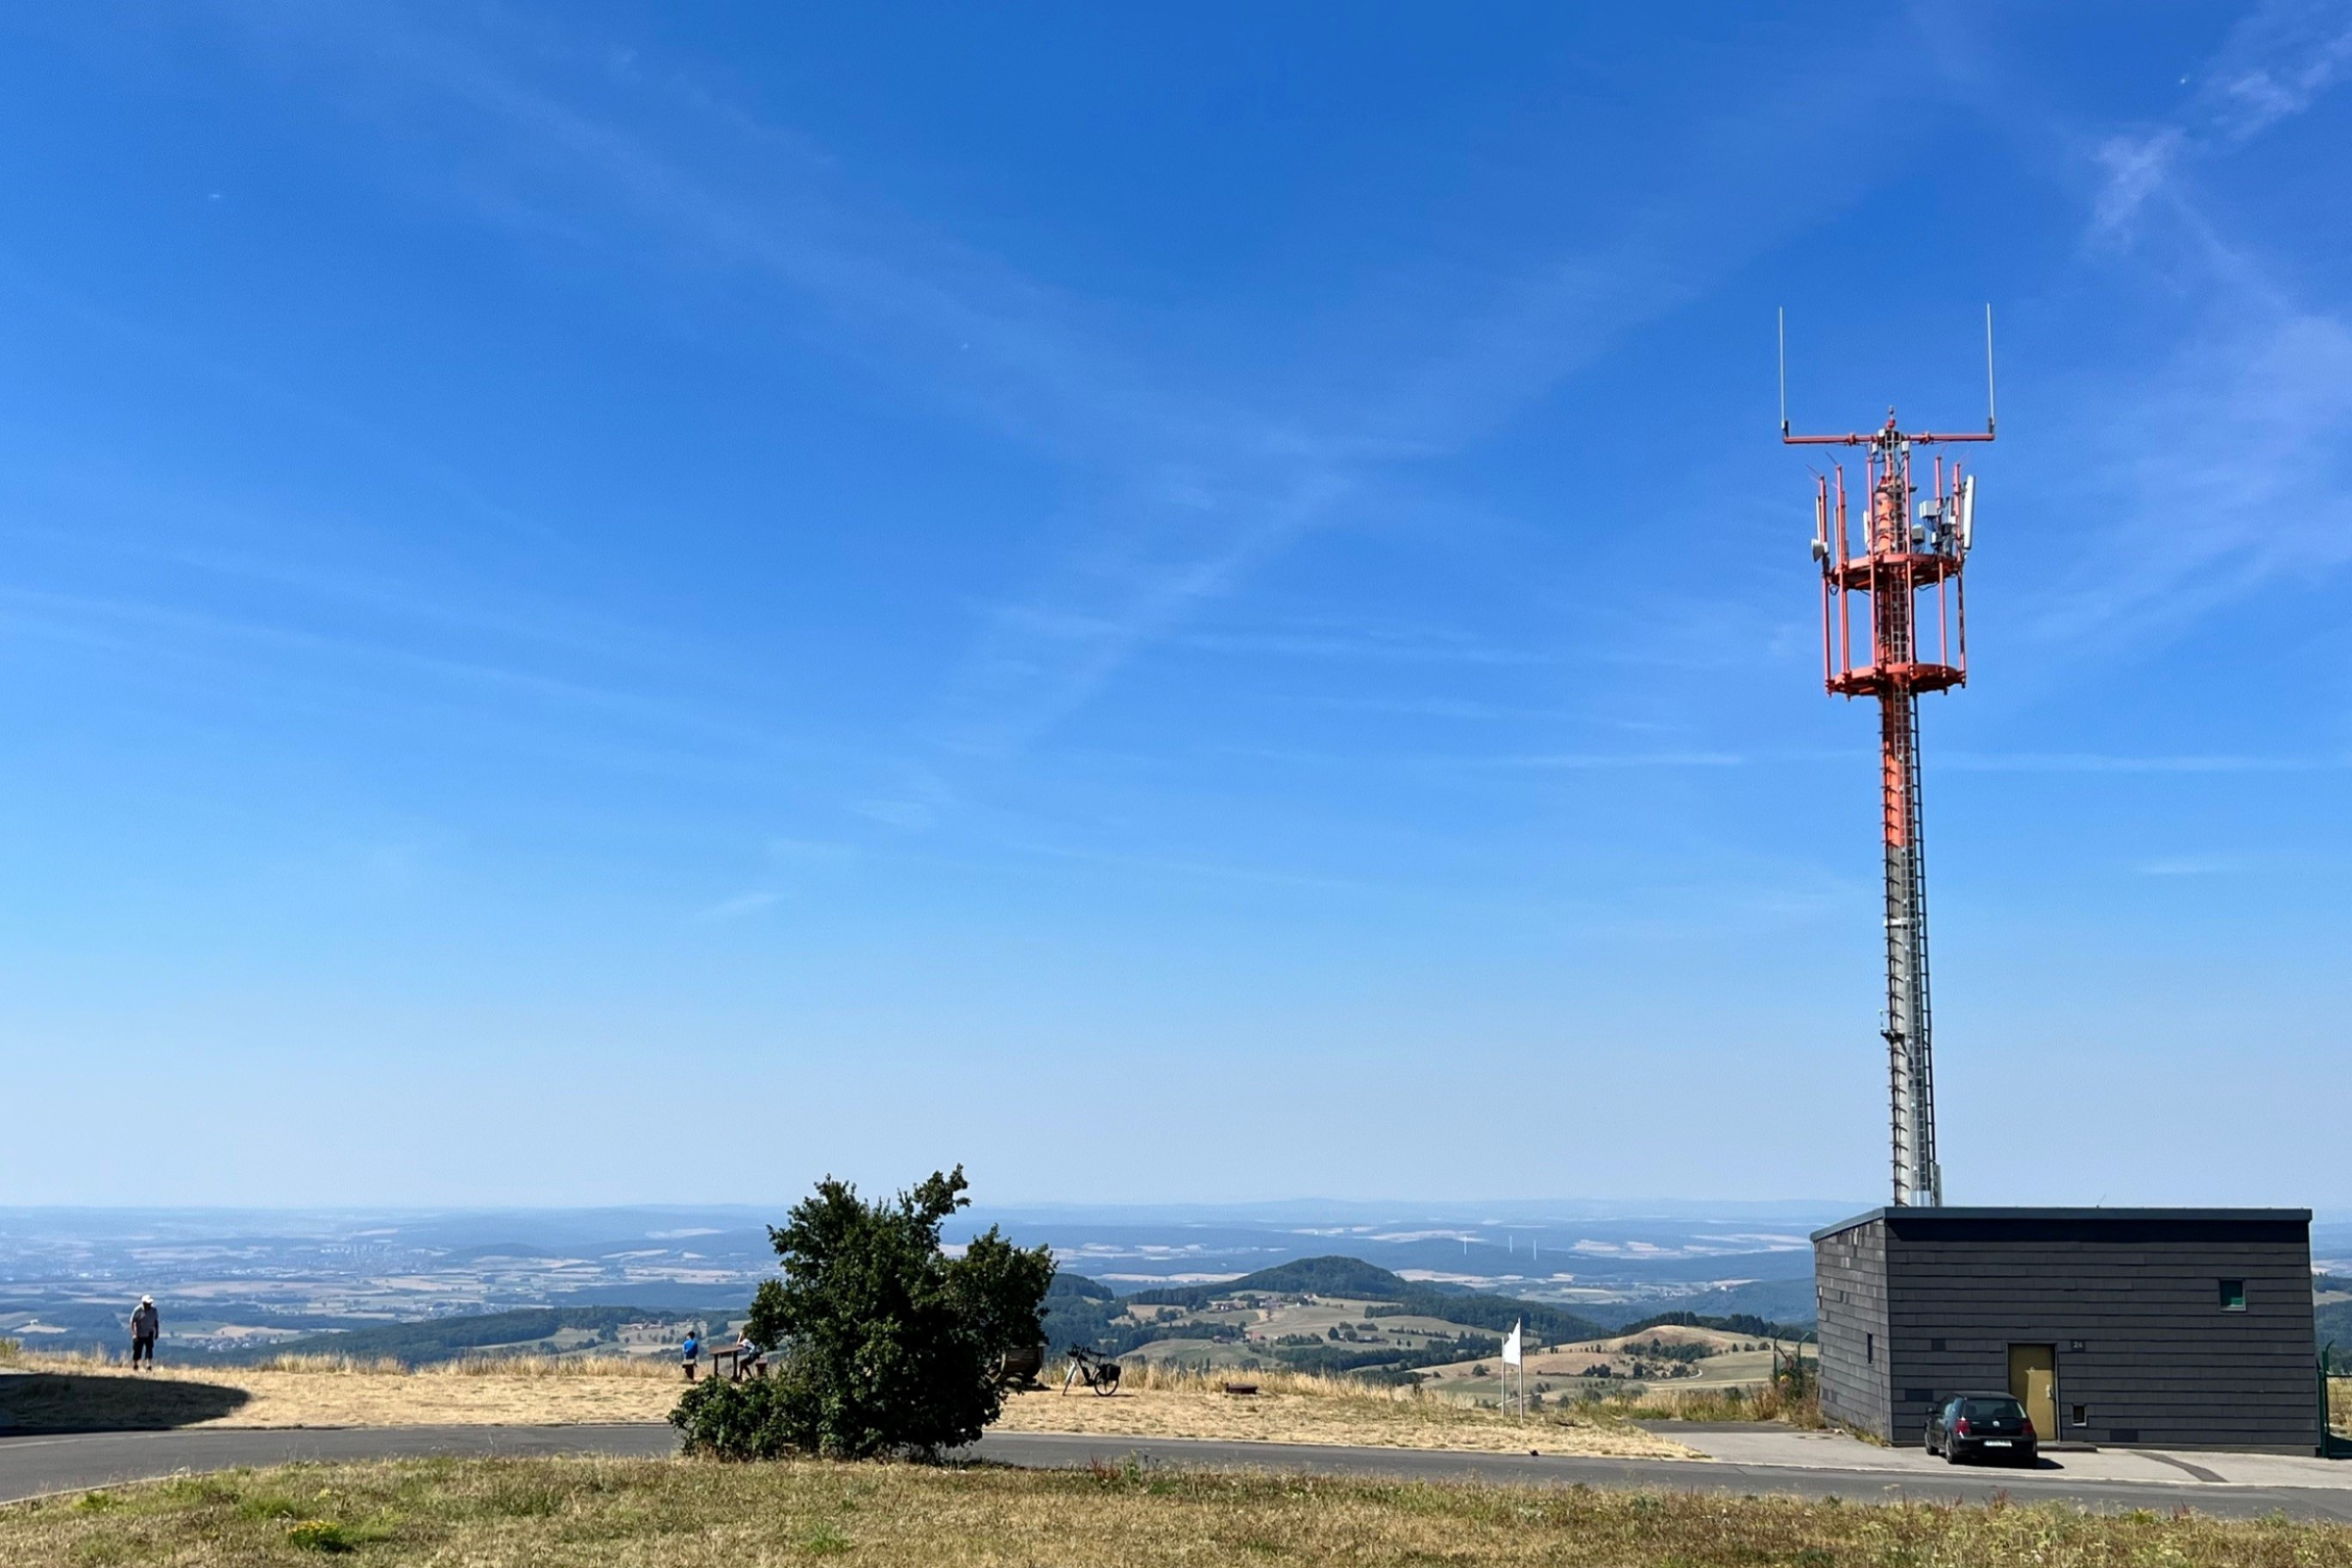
1341	1317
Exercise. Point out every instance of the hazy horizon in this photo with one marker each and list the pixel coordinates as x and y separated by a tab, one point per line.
230	1280
1501	1212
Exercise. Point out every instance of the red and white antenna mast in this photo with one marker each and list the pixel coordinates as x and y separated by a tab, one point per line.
1907	571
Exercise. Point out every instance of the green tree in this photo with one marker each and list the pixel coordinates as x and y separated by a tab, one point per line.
883	1343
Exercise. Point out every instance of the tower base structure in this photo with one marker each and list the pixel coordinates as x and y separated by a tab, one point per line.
2161	1328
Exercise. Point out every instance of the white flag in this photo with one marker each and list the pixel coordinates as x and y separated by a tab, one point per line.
1510	1348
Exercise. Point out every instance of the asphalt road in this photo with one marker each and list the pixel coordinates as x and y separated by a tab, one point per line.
34	1465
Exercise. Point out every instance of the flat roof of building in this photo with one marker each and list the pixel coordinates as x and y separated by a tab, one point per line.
1995	1218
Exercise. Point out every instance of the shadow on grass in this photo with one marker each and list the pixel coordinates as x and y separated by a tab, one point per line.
77	1402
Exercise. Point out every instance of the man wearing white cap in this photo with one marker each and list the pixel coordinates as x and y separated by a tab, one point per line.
145	1324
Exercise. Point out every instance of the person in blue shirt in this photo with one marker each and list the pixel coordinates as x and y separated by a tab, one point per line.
694	1350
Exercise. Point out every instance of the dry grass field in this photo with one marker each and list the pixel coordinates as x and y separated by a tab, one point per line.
1292	1407
1762	1403
647	1514
1224	1356
1734	1357
330	1392
527	1391
2339	1405
1561	1368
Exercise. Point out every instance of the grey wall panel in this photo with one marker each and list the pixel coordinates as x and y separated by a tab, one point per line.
1856	1347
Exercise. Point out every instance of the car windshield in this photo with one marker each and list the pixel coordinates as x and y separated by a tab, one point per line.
1991	1410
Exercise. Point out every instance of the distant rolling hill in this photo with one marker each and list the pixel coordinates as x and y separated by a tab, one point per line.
451	1339
1356	1280
1084	1312
2334	1321
1789	1303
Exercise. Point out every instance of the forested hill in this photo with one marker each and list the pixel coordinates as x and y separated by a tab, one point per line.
1081	1311
1734	1323
1354	1279
2333	1320
1349	1277
449	1338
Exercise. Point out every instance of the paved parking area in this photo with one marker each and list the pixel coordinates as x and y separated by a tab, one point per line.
1762	1445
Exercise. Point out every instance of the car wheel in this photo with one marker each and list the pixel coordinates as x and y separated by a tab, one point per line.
1951	1456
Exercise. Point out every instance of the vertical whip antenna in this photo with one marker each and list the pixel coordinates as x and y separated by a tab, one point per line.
1988	378
1785	367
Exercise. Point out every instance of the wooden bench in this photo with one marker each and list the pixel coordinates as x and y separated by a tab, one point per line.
1018	1369
738	1363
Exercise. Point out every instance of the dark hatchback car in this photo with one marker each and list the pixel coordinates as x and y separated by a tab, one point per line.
1983	1426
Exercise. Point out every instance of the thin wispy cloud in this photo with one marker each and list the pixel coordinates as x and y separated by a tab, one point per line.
174	522
464	503
831	852
217	655
1193	869
1468	712
2194	865
741	907
2096	762
2134	169
2227	465
2275	64
1193	487
2228	470
907	816
1587	762
1401	645
1487	762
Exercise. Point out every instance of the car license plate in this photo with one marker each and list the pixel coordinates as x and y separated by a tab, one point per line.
1996	1443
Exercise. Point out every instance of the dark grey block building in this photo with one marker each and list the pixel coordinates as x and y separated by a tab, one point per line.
2168	1328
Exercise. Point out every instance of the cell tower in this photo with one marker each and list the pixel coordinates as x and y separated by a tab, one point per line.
1913	550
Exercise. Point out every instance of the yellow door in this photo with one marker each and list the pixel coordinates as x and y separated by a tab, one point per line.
2033	1384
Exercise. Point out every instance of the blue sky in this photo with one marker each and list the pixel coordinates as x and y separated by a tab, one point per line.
616	603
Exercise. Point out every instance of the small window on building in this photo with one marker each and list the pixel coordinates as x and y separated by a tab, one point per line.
2233	1295
1870	1349
2081	1415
